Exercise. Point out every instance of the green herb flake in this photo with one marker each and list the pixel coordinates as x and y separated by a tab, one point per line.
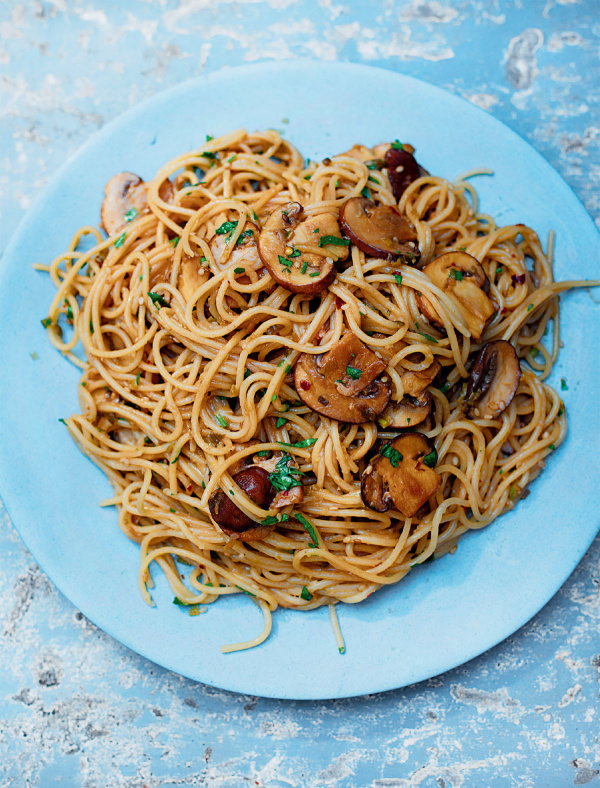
47	321
334	240
445	387
91	327
222	420
533	352
353	372
316	230
305	594
174	460
366	193
262	453
175	241
397	145
180	602
308	527
131	214
158	300
529	307
255	217
232	158
245	591
499	270
295	253
316	273
203	261
552	447
281	421
209	137
304	444
454	274
393	455
285	476
563	385
172	510
371	178
238	270
512	492
137	378
398	278
63	422
120	241
430	459
35	356
560	411
226	228
269	520
427	336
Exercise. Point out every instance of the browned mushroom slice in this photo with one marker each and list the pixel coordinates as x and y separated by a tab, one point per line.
126	196
414	382
494	380
379	230
360	152
232	520
402	169
460	276
401	475
298	272
409	412
192	274
244	252
343	384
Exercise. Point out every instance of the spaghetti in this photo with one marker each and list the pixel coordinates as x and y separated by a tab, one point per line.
193	348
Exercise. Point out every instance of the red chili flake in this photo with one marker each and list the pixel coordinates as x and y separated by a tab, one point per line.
518	279
338	302
503	311
304	384
190	488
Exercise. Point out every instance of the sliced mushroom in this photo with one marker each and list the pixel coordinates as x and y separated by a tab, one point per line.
192	274
360	152
409	412
494	380
379	230
232	520
126	192
460	276
245	251
415	382
401	475
299	272
402	169
343	384
287	497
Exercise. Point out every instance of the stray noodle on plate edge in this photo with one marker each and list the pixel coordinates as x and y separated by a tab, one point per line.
199	363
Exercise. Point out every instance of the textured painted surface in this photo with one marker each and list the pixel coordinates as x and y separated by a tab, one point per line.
77	708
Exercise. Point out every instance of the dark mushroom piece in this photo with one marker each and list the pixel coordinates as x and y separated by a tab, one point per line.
460	276
123	192
232	520
301	272
409	412
244	252
401	475
402	169
416	381
379	230
494	380
192	274
345	383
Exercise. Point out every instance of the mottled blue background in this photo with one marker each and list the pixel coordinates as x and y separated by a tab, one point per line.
77	708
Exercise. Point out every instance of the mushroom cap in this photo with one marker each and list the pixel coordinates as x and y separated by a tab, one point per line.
232	520
343	384
494	380
125	191
463	279
298	271
379	230
409	412
399	476
192	274
244	251
416	381
402	169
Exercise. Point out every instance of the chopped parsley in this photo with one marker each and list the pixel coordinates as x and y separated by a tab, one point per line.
334	240
245	590
120	240
203	261
552	447
174	460
232	158
397	145
353	372
47	321
309	527
175	241
398	278
430	459
563	384
371	178
305	594
366	193
427	336
181	603
316	273
512	492
238	270
304	444
131	214
226	228
295	253
445	387
91	327
243	236
281	421
285	477
222	420
393	455
158	300
454	274
254	216
137	378
269	520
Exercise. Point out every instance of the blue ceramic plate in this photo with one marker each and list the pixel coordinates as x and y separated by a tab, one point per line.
444	613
